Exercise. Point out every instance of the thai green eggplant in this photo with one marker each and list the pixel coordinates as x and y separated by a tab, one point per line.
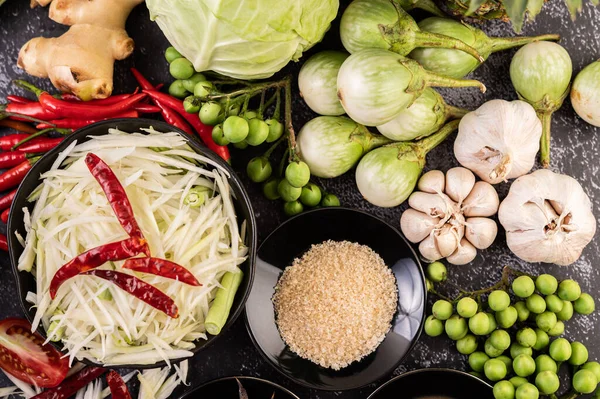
425	116
456	63
317	82
332	145
388	175
384	24
541	73
375	85
585	94
427	5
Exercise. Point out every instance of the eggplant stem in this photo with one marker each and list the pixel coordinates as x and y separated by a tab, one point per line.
428	39
546	118
453	112
505	43
430	142
435	80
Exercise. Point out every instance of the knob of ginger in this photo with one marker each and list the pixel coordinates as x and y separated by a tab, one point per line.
81	61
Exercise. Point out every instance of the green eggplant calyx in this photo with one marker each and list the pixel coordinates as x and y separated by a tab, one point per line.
366	139
547	104
417	84
427	5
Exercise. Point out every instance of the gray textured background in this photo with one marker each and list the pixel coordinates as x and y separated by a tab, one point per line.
575	151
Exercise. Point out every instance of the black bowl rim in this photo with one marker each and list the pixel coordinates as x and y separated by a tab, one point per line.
415	339
239	377
426	370
202	150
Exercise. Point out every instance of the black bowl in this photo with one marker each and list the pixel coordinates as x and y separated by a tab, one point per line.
227	388
26	281
434	384
291	240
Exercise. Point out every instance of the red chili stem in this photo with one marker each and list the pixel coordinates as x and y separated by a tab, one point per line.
116	195
3	243
163	268
18	126
4	215
18	99
13	177
71	385
96	257
6	201
37	135
139	289
12	158
146	108
118	389
73	123
39	146
204	131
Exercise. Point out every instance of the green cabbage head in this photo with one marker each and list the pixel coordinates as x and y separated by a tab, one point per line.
245	39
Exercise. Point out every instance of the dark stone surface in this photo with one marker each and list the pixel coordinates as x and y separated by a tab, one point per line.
575	152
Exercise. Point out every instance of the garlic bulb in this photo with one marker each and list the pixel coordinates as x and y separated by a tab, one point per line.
499	140
547	217
448	217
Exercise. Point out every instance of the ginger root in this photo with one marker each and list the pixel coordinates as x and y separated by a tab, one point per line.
81	61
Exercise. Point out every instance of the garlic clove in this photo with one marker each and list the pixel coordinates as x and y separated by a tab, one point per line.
428	249
459	183
482	201
446	240
434	205
464	254
481	232
432	182
416	225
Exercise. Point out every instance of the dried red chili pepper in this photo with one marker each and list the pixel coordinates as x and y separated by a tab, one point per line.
163	268
204	131
3	243
12	158
6	201
71	385
139	289
18	99
13	177
117	386
18	126
116	195
4	215
96	257
38	146
73	123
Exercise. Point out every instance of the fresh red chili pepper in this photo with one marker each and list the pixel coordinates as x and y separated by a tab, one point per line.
204	131
69	97
33	109
3	243
146	108
105	101
13	177
118	389
115	193
71	385
11	158
96	257
38	146
18	126
139	289
142	81
18	99
6	201
163	268
173	118
7	142
65	109
73	123
4	215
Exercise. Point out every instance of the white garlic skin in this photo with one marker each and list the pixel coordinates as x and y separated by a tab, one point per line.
429	250
482	201
527	215
499	140
464	254
416	225
432	182
459	183
433	205
481	232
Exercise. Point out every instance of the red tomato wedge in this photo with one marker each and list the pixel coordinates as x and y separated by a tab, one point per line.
23	355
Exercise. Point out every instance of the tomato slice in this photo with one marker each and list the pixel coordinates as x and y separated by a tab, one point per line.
24	355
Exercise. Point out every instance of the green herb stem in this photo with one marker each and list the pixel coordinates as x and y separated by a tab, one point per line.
221	305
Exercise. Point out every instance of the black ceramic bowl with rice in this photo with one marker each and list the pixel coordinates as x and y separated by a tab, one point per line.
26	282
367	253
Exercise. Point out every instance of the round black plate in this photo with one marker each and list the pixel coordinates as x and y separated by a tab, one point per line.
291	240
227	388
25	280
434	384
